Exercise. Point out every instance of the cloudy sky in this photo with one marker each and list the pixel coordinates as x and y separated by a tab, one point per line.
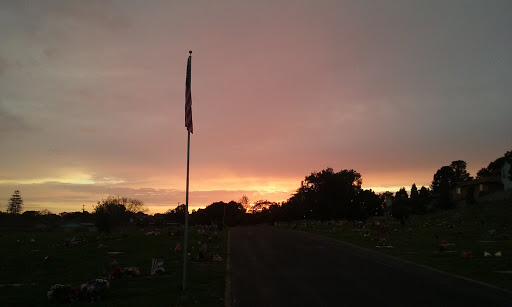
92	96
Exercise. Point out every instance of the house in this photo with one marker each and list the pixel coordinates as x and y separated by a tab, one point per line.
478	187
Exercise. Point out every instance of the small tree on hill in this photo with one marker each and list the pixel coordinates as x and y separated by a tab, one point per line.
414	191
15	204
244	201
402	193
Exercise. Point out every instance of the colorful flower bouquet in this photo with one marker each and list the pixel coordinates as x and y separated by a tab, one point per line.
177	249
93	290
60	293
116	272
131	271
216	258
467	255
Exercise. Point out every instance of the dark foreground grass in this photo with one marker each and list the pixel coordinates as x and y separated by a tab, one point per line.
453	241
25	275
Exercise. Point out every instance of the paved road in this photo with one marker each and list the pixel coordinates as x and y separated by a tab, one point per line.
279	267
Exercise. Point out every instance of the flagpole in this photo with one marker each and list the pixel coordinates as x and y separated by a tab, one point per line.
185	249
189	125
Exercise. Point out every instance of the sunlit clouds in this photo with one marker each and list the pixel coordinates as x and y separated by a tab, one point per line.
92	96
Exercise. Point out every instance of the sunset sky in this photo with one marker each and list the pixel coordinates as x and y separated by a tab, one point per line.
92	96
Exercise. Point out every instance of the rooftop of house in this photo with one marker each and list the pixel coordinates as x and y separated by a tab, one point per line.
493	179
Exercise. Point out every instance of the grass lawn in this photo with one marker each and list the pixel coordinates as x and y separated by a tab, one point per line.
26	276
453	241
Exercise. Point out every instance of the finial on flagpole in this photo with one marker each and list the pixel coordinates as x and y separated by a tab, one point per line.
190	51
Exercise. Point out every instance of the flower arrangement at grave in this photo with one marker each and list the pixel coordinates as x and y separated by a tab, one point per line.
92	291
95	289
467	255
60	293
216	258
119	272
177	249
152	233
116	272
131	271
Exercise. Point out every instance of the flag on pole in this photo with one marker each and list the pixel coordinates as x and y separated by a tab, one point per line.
157	266
188	97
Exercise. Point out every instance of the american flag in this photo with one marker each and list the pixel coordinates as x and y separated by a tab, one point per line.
157	266
188	97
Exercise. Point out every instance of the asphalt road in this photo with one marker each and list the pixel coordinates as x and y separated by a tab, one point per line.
269	266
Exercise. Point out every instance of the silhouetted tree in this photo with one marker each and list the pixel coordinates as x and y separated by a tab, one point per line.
131	204
176	215
444	181
15	204
328	195
367	204
402	193
261	205
109	213
483	173
414	191
459	169
494	168
214	214
244	201
424	192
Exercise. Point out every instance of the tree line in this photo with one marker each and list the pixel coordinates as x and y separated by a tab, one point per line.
323	195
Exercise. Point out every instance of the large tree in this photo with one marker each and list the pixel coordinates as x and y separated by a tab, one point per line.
494	168
444	178
131	204
444	181
328	194
461	174
109	213
15	204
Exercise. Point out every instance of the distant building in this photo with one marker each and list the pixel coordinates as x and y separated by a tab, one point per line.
479	187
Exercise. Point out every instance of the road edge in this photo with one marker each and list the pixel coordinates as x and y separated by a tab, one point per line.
227	291
394	258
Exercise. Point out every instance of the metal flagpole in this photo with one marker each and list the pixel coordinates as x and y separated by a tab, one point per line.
190	129
185	250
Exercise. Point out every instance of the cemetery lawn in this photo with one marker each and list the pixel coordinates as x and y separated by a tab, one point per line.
29	269
453	241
